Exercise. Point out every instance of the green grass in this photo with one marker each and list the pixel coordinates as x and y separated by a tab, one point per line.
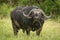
50	31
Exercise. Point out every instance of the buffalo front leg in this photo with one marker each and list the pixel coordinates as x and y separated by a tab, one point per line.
38	31
28	31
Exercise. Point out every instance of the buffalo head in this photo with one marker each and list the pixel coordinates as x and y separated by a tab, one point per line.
37	14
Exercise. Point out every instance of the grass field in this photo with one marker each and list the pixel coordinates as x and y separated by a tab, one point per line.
50	31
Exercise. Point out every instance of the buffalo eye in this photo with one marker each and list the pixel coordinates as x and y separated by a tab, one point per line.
31	14
36	14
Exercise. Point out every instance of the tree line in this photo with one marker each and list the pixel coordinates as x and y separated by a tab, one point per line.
48	6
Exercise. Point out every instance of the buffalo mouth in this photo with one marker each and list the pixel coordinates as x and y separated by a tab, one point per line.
36	21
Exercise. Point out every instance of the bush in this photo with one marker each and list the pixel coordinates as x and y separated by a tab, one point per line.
5	10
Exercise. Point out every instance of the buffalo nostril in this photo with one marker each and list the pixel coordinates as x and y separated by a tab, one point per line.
36	17
36	14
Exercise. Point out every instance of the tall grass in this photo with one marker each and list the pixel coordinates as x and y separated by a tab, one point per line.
50	31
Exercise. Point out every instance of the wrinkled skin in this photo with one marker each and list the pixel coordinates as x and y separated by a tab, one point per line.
32	23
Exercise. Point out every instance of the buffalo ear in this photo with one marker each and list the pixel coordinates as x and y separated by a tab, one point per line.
42	16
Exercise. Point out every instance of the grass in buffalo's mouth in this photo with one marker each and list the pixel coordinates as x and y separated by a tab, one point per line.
50	31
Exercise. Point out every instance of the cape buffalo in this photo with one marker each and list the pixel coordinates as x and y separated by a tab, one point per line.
29	18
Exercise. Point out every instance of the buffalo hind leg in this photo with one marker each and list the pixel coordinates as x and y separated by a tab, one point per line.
15	29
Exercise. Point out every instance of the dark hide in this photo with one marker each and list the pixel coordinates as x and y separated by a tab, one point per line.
19	21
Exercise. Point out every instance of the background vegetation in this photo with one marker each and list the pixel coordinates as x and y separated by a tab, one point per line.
51	27
6	6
